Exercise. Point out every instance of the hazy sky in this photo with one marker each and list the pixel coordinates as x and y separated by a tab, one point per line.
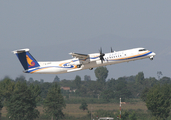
52	29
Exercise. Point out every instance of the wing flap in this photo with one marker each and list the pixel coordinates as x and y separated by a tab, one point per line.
79	56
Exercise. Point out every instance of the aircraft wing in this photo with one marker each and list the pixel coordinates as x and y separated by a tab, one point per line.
79	56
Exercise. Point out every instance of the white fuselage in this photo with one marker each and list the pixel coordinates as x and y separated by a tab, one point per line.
93	61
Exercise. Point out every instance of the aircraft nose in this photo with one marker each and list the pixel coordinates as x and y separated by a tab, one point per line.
153	54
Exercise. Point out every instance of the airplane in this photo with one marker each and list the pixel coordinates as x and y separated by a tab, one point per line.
80	61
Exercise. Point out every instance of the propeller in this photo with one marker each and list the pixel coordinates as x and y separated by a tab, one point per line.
111	49
101	55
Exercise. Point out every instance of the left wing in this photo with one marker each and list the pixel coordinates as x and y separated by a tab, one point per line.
79	56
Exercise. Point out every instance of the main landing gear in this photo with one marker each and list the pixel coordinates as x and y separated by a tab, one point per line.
78	66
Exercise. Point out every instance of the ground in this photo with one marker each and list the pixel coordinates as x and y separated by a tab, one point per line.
73	109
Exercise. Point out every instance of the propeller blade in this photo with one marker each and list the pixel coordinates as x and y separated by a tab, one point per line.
100	50
111	49
101	55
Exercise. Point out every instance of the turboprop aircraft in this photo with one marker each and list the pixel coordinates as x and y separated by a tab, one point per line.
80	61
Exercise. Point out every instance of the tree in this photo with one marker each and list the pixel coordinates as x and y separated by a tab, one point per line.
132	116
54	102
165	80
6	88
87	78
41	81
144	94
56	79
108	94
159	74
21	79
83	105
77	81
101	74
121	89
102	113
44	89
158	101
139	78
21	104
1	105
31	80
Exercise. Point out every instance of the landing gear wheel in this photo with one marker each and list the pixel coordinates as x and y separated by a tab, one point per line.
78	66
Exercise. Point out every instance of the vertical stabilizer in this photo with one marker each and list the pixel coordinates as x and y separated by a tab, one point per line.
26	59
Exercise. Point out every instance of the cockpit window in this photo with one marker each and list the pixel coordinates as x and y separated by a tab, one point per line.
142	50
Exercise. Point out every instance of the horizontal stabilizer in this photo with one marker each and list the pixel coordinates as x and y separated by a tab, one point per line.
20	51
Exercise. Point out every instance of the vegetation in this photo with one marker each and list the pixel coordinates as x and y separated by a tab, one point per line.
158	101
54	103
148	98
83	105
20	100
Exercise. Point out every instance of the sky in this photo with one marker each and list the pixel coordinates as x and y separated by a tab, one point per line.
52	29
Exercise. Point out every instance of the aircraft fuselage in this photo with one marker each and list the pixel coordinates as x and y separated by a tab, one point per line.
93	61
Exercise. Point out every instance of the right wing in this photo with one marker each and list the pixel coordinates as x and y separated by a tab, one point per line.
80	56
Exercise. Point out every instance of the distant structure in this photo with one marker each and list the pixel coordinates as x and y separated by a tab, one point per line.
68	89
65	88
105	118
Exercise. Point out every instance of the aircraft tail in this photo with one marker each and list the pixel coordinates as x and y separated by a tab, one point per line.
26	59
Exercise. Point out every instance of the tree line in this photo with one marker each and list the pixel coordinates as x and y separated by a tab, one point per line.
24	95
21	99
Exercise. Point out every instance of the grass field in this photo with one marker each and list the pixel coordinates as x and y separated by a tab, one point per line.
73	109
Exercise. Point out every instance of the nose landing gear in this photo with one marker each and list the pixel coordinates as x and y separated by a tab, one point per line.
151	58
90	68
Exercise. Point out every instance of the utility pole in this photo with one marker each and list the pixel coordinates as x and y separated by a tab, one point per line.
120	108
91	112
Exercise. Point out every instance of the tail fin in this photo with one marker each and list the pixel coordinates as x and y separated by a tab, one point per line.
26	59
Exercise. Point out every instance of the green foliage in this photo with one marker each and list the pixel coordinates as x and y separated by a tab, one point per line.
116	89
128	115
101	74
165	80
104	113
144	94
108	94
125	115
83	105
1	105
54	102
30	80
44	89
6	88
132	116
139	78
77	82
87	78
158	100
21	104
56	79
159	74
20	79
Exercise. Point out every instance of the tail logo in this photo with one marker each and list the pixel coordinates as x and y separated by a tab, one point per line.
30	61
